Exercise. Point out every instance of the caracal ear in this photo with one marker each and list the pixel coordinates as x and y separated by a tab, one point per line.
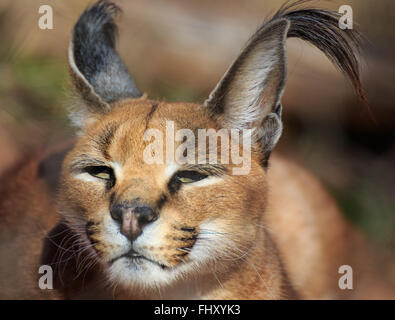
97	72
249	94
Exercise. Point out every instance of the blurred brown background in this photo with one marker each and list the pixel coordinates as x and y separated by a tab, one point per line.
177	50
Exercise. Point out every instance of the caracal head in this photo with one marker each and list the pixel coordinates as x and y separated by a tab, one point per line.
161	191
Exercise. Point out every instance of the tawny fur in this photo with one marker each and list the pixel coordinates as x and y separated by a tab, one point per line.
273	233
297	241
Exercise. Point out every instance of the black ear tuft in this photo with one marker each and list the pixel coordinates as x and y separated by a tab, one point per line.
97	71
249	93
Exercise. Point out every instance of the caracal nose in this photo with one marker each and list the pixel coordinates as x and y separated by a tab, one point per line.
133	218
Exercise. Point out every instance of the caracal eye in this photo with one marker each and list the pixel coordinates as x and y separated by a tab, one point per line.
190	176
103	175
101	172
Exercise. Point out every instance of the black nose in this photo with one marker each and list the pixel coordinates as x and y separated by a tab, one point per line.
132	217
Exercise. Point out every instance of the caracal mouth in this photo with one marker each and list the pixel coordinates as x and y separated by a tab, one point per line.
136	258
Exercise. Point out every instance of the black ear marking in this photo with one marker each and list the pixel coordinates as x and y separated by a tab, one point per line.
98	73
279	109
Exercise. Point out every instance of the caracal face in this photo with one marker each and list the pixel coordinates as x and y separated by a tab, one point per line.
144	214
203	215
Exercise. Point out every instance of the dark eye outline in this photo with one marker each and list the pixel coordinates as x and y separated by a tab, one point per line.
193	175
94	171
